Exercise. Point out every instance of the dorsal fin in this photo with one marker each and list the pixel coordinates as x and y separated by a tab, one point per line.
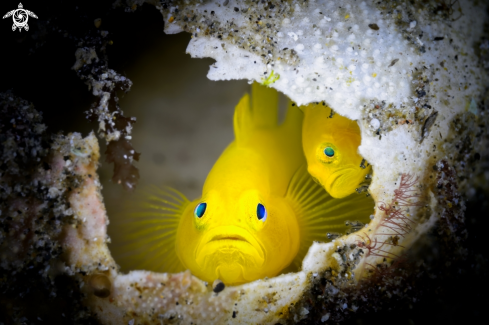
264	103
319	214
293	119
242	118
262	113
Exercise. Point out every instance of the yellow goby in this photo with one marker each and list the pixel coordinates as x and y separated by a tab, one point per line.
259	211
330	145
245	228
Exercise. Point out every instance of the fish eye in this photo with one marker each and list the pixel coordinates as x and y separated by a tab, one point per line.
328	151
261	212
200	210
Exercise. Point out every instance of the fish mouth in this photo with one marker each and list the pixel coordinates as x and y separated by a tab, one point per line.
229	238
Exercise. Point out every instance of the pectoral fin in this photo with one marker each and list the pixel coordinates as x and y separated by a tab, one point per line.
319	213
148	228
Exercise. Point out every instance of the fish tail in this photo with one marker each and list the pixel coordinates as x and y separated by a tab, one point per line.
148	231
318	213
264	103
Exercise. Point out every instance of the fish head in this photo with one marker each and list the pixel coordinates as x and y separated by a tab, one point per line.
331	148
237	238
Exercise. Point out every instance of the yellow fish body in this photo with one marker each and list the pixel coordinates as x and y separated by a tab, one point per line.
259	211
246	229
330	145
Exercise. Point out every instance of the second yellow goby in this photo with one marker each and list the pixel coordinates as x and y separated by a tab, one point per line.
331	147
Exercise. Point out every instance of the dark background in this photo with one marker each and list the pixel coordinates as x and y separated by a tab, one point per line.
36	65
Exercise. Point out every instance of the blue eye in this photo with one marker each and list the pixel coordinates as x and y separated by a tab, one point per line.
328	151
261	212
200	210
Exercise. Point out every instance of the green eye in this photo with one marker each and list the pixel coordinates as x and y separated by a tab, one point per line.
328	151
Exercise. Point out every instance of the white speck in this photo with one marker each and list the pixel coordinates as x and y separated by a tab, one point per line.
412	24
299	47
131	322
325	317
375	123
293	36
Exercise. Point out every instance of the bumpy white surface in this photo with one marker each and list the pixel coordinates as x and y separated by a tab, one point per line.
342	60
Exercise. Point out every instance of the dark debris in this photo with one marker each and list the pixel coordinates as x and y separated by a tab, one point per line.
31	221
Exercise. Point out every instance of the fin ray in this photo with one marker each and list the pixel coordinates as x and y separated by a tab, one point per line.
150	229
319	213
